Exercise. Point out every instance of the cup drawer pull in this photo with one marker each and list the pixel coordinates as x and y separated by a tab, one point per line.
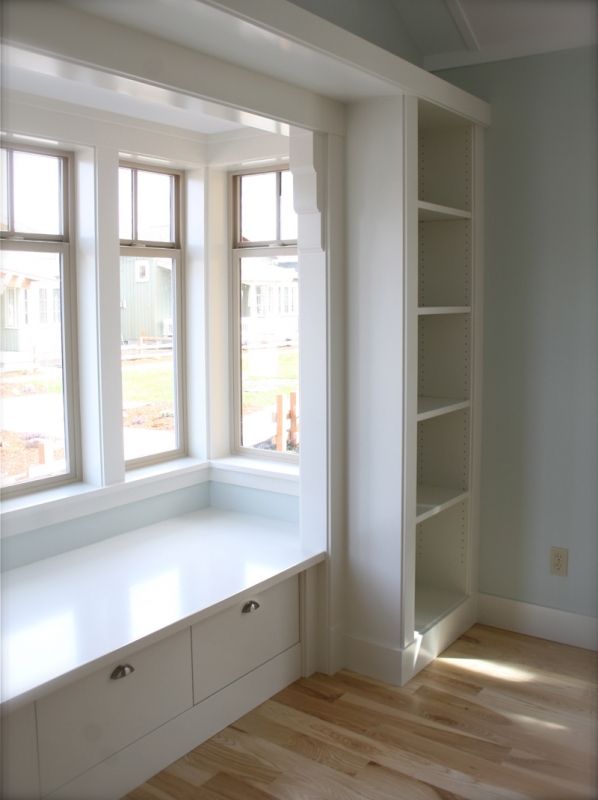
121	672
252	605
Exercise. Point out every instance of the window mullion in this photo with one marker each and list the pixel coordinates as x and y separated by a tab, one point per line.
10	212
278	201
134	205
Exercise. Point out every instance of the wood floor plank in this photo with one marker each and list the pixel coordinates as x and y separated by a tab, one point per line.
498	716
230	787
302	743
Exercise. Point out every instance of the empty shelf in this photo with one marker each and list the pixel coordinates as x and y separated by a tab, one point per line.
433	603
428	407
432	211
439	310
434	499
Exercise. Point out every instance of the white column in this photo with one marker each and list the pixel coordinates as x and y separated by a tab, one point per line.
98	286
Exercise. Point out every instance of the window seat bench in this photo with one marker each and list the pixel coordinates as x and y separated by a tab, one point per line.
70	614
121	656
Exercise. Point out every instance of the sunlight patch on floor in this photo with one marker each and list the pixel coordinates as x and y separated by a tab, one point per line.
493	669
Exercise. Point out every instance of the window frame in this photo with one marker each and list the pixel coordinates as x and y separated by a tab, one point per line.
61	244
237	175
240	250
141	248
175	209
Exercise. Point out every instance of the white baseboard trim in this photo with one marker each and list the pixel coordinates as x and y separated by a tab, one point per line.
397	666
137	762
376	660
545	623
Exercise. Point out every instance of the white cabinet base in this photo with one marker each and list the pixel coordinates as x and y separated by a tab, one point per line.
18	744
133	765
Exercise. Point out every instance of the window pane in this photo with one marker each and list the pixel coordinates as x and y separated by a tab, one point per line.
147	355
125	203
37	193
32	388
258	207
288	218
154	206
4	190
269	353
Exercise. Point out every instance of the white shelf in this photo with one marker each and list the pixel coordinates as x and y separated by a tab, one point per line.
429	212
66	613
428	407
424	311
432	604
432	500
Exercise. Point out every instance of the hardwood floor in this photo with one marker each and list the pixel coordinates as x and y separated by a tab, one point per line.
498	715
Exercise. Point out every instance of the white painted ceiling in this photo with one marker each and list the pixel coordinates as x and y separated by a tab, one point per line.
452	33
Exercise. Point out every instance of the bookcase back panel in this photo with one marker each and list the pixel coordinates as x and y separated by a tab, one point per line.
444	356
444	263
445	166
441	549
443	451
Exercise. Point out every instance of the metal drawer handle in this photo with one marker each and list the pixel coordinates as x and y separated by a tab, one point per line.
252	605
121	671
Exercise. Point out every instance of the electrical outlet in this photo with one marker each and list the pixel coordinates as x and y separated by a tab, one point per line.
559	561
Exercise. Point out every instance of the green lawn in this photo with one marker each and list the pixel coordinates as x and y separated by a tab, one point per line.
266	374
146	381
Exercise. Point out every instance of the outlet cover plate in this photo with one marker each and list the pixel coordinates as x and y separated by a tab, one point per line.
559	561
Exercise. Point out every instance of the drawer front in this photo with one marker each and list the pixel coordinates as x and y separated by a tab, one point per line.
232	643
86	722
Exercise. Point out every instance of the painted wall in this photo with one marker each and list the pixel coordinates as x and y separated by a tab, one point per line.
378	21
540	442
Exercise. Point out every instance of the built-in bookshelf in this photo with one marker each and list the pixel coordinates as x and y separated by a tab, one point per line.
441	355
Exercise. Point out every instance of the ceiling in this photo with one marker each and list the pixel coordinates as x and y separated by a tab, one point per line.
452	33
447	33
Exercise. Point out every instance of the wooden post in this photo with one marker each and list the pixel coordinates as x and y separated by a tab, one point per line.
293	428
279	442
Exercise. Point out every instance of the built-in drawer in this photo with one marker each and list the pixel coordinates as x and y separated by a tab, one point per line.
88	721
232	643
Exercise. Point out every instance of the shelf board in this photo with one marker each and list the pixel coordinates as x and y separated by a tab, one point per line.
433	603
424	311
428	212
428	407
432	500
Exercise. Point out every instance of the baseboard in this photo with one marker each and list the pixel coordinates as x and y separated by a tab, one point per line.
137	762
546	623
399	665
370	658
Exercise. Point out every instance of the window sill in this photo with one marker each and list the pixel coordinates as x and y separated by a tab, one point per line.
62	503
52	506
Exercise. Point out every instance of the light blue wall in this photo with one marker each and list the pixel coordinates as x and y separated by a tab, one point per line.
378	21
540	442
275	505
24	548
52	540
